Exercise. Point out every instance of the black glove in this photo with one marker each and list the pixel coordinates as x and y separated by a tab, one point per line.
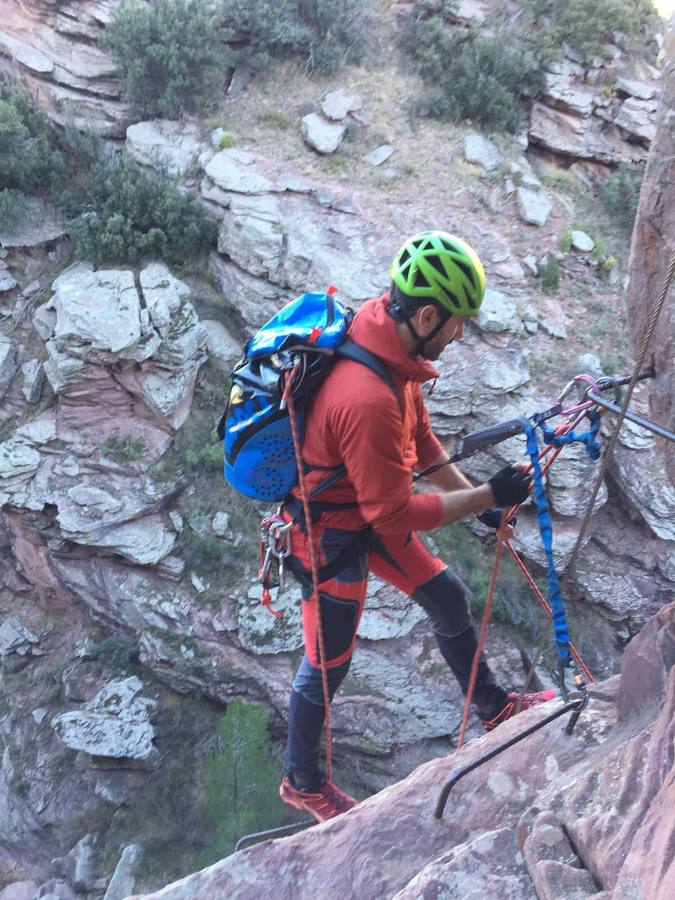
492	517
510	486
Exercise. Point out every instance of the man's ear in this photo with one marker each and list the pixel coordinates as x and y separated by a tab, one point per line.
427	316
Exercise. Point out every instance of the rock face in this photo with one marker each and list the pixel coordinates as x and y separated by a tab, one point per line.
281	235
115	723
54	47
551	817
651	253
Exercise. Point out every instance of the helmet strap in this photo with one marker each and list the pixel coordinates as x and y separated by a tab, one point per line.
423	340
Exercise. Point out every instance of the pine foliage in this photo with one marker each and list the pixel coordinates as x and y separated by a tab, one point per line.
130	213
168	54
239	780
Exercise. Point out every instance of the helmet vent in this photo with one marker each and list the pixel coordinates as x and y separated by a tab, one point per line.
420	280
437	264
467	271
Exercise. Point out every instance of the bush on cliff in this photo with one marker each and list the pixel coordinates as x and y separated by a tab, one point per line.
472	74
128	213
30	161
168	54
239	781
323	33
588	27
620	193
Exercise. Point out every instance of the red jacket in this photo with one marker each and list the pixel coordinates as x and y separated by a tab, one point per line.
355	420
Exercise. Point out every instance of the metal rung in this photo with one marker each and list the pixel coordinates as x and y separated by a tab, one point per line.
632	417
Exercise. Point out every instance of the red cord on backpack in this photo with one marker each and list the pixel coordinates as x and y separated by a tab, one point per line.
314	563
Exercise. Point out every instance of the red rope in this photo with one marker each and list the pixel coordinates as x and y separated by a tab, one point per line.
485	622
314	564
502	541
546	606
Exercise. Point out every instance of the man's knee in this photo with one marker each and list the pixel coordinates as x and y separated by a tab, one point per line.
444	598
308	680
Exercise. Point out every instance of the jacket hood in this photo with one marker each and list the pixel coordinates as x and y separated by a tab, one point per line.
374	329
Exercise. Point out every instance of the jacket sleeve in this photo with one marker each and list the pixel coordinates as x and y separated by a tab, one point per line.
429	448
371	446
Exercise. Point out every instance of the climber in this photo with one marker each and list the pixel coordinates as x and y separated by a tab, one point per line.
369	519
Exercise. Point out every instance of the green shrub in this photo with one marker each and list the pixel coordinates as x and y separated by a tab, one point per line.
208	456
226	141
133	213
549	273
30	162
566	241
14	207
620	193
588	26
325	34
471	74
115	652
239	781
166	53
124	449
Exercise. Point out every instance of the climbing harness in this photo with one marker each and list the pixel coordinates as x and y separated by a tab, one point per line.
275	548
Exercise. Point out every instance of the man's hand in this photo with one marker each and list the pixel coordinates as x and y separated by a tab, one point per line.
492	517
510	486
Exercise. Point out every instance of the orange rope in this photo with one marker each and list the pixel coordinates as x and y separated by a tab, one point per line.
545	604
485	622
314	564
502	541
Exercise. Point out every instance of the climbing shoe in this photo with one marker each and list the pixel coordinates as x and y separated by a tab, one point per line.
511	706
326	803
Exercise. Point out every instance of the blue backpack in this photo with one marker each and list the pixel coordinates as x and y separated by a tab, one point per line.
259	454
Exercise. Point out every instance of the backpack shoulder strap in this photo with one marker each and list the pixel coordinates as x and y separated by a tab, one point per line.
350	350
359	354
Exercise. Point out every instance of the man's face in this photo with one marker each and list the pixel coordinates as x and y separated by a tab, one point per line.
452	330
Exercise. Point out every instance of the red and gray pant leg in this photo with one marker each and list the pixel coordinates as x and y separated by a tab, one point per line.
403	561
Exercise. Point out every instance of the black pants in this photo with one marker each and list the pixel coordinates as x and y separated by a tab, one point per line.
444	600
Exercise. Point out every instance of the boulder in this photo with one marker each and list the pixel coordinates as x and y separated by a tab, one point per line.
499	313
380	155
19	890
7	281
636	118
98	315
583	138
42	225
163	295
17	458
15	637
25	55
642	481
323	136
171	146
220	524
337	105
533	206
235	170
34	380
562	91
482	152
582	242
115	723
223	348
634	87
8	362
122	883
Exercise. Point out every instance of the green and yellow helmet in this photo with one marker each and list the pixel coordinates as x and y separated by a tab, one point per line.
442	267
